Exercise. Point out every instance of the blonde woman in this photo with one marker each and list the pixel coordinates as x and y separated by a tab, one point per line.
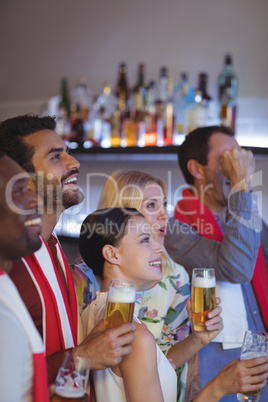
163	307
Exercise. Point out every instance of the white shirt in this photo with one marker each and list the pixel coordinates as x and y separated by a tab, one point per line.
108	386
16	366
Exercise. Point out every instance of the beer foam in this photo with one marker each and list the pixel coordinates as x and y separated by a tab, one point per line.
122	295
252	355
69	392
198	282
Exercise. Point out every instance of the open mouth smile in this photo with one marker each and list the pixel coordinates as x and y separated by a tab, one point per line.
71	180
155	263
33	222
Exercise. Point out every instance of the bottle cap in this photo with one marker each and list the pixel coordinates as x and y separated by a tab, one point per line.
203	76
228	59
122	66
163	72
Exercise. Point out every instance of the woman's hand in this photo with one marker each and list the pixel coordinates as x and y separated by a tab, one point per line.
213	326
238	376
182	352
244	375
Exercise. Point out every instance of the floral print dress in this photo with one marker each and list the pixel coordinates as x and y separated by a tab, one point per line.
163	310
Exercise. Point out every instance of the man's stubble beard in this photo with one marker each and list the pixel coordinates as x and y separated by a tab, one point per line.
55	198
69	199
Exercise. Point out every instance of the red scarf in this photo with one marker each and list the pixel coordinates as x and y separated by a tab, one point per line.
53	334
11	298
191	211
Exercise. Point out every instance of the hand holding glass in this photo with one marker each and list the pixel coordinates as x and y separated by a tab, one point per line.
255	344
72	379
203	293
120	303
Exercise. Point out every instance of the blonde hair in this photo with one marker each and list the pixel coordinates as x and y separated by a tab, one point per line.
124	189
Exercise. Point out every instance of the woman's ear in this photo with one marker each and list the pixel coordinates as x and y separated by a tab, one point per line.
110	254
195	168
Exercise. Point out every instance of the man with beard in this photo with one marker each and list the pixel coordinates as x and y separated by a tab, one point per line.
218	226
22	364
43	279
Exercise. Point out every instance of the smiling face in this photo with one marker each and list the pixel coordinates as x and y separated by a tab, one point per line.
154	209
139	254
56	170
218	192
20	227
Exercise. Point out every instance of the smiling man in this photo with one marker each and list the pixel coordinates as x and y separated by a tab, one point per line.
43	279
22	363
217	225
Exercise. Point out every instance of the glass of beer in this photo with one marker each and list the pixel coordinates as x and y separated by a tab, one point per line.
255	344
72	379
120	303
203	293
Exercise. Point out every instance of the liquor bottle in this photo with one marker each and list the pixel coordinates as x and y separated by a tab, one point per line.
77	134
134	126
107	102
183	99
64	104
150	118
140	90
63	112
151	97
163	84
107	106
168	129
130	129
81	96
116	127
202	88
227	85
93	128
165	117
164	109
121	90
199	114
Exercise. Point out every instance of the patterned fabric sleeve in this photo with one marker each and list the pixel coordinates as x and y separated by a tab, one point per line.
176	323
86	284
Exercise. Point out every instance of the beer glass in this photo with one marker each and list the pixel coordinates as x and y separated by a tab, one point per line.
120	303
255	344
72	379
203	293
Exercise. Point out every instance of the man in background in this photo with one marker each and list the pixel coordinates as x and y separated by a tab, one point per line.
43	279
217	225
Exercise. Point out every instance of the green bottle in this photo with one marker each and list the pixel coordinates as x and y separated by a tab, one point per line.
64	104
227	86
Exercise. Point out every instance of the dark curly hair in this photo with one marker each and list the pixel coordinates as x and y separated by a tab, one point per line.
15	129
